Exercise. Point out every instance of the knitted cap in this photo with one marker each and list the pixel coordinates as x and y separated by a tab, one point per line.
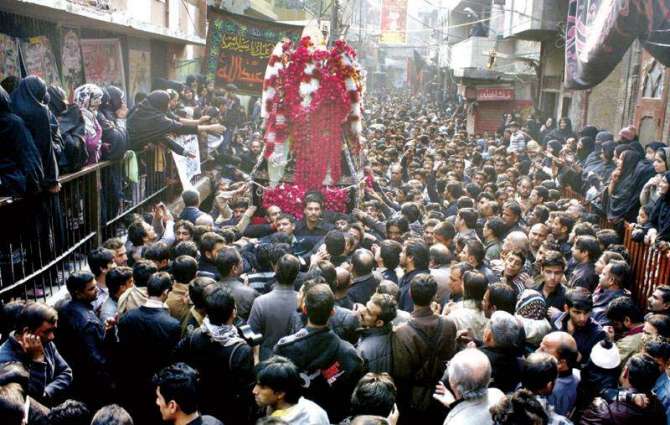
531	305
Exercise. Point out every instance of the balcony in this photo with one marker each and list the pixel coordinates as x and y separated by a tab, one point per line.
529	19
470	54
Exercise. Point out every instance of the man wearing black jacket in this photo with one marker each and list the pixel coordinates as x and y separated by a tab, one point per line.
147	336
32	345
332	365
85	342
223	359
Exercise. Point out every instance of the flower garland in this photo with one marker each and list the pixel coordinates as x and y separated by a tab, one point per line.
290	198
312	97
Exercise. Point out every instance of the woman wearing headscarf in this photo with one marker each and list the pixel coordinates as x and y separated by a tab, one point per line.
28	102
149	124
21	170
112	116
603	169
651	148
546	128
57	106
562	133
585	147
621	200
57	100
659	221
10	83
650	192
88	98
594	159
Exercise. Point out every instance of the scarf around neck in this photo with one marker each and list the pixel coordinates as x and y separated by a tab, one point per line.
227	335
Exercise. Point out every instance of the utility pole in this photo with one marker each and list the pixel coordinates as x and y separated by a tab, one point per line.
334	22
360	22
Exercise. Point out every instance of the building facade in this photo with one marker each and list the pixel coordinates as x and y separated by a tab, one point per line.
493	73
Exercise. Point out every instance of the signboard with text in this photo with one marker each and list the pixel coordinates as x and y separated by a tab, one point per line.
394	22
494	93
239	47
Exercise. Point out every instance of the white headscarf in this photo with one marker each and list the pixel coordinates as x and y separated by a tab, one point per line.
83	97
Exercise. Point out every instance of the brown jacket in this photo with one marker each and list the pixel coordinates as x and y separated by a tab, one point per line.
178	302
420	356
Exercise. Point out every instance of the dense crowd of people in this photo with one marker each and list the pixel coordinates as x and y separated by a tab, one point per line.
481	280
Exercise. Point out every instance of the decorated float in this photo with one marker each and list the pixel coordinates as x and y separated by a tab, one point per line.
311	109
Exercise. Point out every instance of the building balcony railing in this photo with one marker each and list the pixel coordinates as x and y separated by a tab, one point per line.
528	19
470	54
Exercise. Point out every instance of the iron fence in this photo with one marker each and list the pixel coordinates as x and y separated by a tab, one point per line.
47	237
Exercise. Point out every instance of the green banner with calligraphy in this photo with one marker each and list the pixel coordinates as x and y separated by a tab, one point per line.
239	47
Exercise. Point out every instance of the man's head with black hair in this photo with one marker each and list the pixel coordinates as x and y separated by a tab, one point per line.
278	383
396	227
100	261
375	394
494	229
389	254
142	271
70	412
197	291
410	211
82	286
118	280
210	245
473	252
184	269
607	237
640	373
499	297
659	300
423	289
112	414
189	248
335	243
176	391
466	219
624	314
220	305
264	257
159	285
415	255
586	249
579	304
539	373
444	233
159	253
319	304
287	270
229	263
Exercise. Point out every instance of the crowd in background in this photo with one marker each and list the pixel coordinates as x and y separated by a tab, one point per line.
481	279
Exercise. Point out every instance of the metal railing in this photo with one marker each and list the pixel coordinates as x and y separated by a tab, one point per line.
650	267
48	237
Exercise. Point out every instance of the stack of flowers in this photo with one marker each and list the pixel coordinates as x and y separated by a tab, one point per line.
311	103
290	198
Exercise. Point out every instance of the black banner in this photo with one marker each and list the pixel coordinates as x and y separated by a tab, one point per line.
599	33
238	49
